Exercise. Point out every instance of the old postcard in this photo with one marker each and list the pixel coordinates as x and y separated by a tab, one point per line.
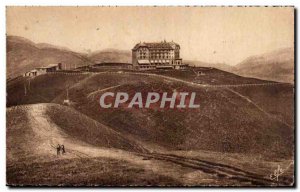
150	96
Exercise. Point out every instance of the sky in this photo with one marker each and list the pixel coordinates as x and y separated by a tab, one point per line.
209	34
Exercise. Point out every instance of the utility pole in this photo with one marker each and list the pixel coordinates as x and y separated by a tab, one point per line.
29	84
25	90
67	93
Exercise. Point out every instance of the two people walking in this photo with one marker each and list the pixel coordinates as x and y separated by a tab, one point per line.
60	149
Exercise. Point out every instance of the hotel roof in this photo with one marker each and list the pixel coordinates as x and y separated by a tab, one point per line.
157	45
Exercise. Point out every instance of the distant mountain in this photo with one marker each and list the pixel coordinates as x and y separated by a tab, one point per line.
24	55
111	55
222	66
47	45
276	65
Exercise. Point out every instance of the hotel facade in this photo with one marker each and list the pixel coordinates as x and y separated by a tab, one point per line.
161	55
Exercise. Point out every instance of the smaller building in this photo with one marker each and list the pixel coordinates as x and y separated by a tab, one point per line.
30	73
106	65
43	70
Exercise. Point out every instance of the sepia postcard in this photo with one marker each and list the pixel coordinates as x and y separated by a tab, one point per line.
171	96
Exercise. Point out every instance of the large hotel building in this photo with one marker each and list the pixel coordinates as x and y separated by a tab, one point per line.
161	55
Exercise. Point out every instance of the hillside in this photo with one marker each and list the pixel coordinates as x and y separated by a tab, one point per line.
71	129
24	55
110	56
209	75
224	114
235	131
93	157
277	66
40	89
221	66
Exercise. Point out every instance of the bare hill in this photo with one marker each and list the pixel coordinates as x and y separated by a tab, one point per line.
93	155
38	128
238	123
221	66
238	130
242	119
110	56
83	128
277	66
24	55
33	132
40	89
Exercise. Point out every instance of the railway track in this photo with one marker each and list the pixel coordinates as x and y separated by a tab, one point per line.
220	170
175	79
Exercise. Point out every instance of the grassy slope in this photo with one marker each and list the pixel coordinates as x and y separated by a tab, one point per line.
238	126
25	167
18	129
40	89
28	166
22	140
277	100
160	127
210	76
88	130
33	169
85	172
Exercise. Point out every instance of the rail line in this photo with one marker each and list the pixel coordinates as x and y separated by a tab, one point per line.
175	79
221	170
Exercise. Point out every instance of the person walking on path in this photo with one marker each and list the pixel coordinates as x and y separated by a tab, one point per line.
63	149
58	148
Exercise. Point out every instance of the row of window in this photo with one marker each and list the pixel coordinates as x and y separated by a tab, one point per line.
165	63
167	55
158	52
147	67
153	67
156	57
144	55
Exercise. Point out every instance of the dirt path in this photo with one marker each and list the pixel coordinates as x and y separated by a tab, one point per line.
92	94
259	108
50	135
177	79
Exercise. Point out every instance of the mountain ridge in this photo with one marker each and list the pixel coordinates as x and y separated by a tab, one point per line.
276	65
24	55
